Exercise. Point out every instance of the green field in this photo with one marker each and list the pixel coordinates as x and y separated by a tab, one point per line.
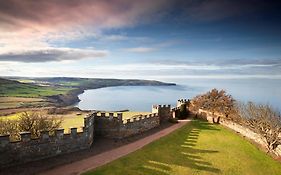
197	148
27	90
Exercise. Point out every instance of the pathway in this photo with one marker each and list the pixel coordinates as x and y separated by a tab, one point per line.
93	162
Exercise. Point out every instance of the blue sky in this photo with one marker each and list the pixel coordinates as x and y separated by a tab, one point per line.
141	39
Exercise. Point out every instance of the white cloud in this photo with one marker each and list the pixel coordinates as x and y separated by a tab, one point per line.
48	54
141	49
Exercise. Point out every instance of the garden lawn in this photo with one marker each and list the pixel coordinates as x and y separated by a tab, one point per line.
197	148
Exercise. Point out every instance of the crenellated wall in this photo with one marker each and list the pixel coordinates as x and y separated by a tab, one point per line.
96	124
28	149
164	112
108	126
182	101
111	126
139	125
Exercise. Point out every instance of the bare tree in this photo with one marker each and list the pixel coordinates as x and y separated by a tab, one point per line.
264	120
37	122
10	127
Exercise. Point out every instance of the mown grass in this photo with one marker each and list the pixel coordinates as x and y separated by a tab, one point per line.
197	148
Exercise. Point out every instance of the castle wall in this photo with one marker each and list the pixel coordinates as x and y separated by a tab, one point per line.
181	102
164	112
139	125
114	126
108	126
47	145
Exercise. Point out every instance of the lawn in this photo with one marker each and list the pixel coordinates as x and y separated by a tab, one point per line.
197	148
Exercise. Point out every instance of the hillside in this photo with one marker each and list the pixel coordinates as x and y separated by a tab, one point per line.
93	83
12	88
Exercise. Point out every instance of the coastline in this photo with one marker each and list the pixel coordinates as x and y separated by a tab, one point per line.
71	98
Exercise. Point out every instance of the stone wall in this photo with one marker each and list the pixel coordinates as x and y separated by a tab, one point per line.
108	126
139	125
114	127
28	149
164	112
244	131
182	101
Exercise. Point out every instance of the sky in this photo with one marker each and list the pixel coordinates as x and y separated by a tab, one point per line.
141	39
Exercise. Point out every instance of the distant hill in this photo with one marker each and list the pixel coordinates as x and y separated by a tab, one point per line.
93	83
63	91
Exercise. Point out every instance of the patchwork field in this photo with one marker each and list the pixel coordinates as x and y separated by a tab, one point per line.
197	148
16	102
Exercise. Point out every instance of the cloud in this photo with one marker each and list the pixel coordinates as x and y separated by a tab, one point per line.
41	15
141	49
27	25
153	47
51	54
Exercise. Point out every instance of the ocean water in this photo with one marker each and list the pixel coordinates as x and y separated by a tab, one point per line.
141	98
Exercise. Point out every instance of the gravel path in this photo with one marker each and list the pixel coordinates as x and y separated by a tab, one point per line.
101	159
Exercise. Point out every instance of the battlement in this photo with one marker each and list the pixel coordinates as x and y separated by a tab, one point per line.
140	117
48	144
111	115
182	101
160	106
58	134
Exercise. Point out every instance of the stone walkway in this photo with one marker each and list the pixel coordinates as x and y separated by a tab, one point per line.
93	162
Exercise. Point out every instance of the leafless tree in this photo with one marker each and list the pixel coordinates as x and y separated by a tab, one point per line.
264	120
9	127
36	122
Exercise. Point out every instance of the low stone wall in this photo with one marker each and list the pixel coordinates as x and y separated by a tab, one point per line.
28	149
248	133
244	131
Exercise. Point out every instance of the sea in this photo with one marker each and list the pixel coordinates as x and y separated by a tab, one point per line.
141	98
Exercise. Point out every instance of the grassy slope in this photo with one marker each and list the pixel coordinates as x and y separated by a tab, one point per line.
10	88
197	148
